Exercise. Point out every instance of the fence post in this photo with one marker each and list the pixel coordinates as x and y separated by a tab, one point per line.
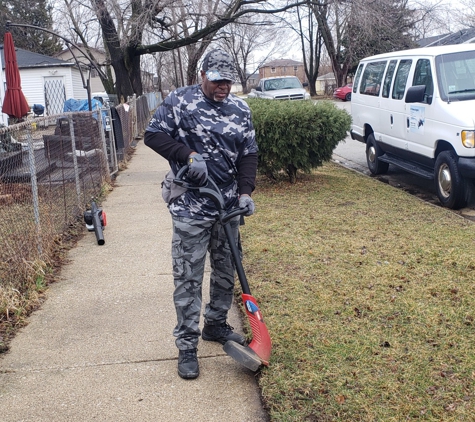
113	152
105	161
75	161
34	187
133	111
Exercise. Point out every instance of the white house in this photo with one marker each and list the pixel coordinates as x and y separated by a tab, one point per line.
325	84
46	80
95	80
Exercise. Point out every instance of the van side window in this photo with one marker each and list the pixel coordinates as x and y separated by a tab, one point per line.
389	78
372	77
423	76
357	78
400	80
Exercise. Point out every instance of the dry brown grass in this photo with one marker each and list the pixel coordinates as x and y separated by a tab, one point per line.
369	297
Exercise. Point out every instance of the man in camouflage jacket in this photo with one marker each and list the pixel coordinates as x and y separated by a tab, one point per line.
210	130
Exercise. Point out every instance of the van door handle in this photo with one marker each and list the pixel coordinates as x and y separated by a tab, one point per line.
392	119
408	123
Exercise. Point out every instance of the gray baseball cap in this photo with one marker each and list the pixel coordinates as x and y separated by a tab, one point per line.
219	65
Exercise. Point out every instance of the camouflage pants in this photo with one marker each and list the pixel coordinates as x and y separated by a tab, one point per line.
191	240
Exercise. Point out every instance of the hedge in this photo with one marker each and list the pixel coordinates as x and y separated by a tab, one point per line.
296	135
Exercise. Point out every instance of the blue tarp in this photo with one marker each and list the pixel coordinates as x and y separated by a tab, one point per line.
83	105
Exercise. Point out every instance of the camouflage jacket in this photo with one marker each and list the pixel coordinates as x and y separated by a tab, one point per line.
221	132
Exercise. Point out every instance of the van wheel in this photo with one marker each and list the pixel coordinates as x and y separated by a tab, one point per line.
450	185
373	152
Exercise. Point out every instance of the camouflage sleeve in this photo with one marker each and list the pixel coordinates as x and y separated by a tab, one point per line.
161	133
163	118
250	137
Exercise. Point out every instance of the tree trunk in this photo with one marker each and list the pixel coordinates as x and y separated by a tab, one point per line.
123	85
125	61
292	173
339	65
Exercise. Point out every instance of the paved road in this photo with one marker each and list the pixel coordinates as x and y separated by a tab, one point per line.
351	154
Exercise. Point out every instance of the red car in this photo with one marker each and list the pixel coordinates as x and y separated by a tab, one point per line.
343	93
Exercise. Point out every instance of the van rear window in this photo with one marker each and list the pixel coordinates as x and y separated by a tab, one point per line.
372	77
357	78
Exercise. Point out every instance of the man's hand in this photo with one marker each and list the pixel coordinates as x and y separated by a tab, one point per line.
197	170
246	201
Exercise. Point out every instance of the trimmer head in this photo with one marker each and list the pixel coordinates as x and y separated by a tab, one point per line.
243	354
258	352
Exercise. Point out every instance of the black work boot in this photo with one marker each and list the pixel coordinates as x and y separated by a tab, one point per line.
221	333
188	364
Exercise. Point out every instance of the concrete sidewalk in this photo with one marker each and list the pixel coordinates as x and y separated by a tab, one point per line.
101	346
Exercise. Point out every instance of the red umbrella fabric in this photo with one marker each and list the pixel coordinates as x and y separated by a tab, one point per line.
14	103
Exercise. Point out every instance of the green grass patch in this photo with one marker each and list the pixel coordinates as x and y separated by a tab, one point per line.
369	297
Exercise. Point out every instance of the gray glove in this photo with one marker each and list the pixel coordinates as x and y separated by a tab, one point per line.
197	170
246	201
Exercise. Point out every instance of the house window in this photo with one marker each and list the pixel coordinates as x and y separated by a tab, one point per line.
295	68
272	70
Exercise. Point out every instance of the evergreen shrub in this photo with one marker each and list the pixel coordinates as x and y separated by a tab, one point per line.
296	135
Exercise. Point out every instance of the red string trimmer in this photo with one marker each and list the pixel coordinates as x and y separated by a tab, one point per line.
258	351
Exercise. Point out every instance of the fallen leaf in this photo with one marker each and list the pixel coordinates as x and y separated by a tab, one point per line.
340	398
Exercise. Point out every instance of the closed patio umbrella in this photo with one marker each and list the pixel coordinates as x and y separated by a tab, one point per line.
14	103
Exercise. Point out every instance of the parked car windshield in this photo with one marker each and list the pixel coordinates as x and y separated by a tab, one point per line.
456	76
282	83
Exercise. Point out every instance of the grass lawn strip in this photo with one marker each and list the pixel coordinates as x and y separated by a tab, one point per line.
369	297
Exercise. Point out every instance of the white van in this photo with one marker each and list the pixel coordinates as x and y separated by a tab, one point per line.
415	109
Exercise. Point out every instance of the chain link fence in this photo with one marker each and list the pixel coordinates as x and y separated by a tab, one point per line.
50	169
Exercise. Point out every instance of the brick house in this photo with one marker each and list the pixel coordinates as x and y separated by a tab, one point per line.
283	67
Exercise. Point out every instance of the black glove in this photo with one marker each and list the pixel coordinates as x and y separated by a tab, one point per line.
197	170
246	201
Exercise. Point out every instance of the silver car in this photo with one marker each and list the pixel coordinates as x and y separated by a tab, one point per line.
280	88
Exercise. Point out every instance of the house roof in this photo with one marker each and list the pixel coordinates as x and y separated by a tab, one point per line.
326	76
464	36
27	59
282	63
82	47
66	53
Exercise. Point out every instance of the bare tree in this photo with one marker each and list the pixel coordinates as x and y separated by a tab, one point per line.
82	28
245	38
302	21
354	29
138	27
432	18
462	14
332	20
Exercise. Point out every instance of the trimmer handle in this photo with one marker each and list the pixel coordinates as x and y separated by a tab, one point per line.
234	213
180	179
209	190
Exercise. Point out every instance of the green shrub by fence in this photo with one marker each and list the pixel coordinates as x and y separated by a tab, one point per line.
296	135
